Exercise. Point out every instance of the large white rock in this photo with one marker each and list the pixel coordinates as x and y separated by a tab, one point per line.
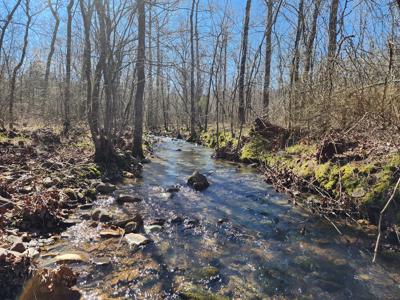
135	239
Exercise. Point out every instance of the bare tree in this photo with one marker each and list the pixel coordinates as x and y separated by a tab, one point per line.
332	43
271	19
192	82
140	60
7	23
242	72
19	65
67	92
310	40
150	99
51	51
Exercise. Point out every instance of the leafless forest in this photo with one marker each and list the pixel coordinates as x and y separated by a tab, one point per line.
174	65
199	149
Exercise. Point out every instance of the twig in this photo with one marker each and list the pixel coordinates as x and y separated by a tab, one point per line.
333	224
356	124
380	219
6	201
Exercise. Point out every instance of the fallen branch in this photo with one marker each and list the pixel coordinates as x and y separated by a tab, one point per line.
380	219
8	202
333	224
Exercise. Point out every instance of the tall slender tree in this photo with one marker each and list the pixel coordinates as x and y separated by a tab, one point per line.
19	64
140	61
67	91
243	59
271	19
310	41
192	79
51	51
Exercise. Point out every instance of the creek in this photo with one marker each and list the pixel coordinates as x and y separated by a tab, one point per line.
239	239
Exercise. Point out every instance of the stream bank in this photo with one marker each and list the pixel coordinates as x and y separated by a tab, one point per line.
44	178
338	175
237	239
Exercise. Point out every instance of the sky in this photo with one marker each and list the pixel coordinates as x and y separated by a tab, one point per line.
376	24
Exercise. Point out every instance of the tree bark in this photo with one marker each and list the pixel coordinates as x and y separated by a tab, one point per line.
67	92
87	67
294	73
242	72
332	45
268	57
150	99
7	22
51	53
192	84
310	41
138	131
210	83
19	65
332	35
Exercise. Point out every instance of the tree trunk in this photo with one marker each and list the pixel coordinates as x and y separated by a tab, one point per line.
87	65
268	57
6	23
192	67
242	72
294	73
332	44
158	75
18	66
310	41
138	131
51	53
198	72
150	100
210	83
67	92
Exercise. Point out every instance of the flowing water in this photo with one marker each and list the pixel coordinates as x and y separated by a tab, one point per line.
239	239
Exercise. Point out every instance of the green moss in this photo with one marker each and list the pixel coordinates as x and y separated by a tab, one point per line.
302	149
366	169
205	273
321	172
224	139
93	171
194	292
90	171
3	137
349	178
393	161
84	145
376	194
306	168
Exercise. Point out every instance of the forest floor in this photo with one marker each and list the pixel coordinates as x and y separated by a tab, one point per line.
340	175
44	177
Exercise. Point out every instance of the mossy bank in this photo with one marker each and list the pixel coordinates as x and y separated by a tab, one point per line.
364	175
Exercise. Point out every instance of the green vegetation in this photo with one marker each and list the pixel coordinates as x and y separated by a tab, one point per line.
368	182
224	139
194	292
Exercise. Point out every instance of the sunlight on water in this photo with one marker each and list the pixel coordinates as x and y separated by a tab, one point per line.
238	239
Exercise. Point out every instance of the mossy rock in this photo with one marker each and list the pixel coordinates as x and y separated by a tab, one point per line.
195	292
87	171
205	273
90	193
72	195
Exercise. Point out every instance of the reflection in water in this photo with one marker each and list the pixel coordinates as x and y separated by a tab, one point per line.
238	239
